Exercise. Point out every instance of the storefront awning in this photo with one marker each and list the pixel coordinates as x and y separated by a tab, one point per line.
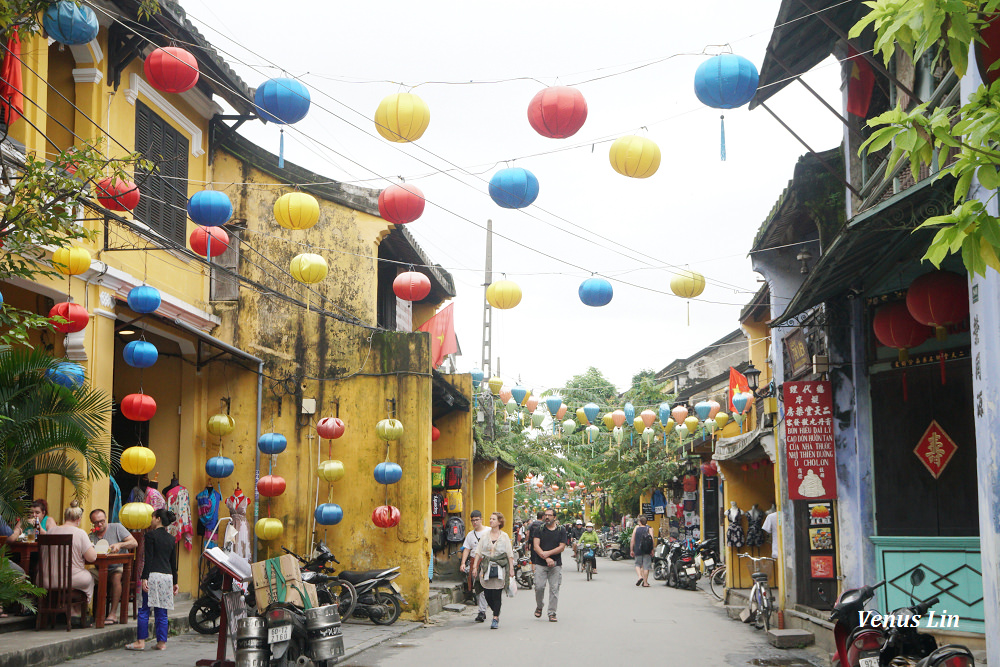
746	447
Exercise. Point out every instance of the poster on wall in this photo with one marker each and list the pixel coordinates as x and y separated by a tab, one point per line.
809	441
820	539
821	567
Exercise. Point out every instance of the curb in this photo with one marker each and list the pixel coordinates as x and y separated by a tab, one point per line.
372	643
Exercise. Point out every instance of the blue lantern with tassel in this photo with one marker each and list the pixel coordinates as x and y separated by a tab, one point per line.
70	24
67	375
282	101
596	292
140	354
513	188
477	378
726	81
144	299
272	443
209	208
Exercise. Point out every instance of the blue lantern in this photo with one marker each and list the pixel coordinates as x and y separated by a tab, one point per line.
272	443
144	299
388	473
67	375
591	410
69	23
595	292
519	393
210	208
553	403
282	101
477	378
702	409
328	514
220	467
664	412
1	299
140	354
740	402
629	413
726	81
513	188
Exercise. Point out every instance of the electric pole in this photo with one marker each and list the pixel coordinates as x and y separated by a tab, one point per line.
487	311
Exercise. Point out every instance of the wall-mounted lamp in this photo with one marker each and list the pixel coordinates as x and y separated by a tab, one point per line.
821	364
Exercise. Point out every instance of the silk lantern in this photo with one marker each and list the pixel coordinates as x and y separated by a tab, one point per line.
938	299
679	413
561	412
557	112
592	432
282	101
76	317
170	69
67	374
669	425
389	429
618	417
531	403
71	261
309	268
682	431
701	409
71	24
514	187
591	410
638	425
328	514
221	425
138	407
477	378
511	406
721	420
648	418
895	327
330	428
411	286
138	460
272	443
386	516
435	433
553	403
220	467
296	211
331	470
209	239
687	284
537	417
402	117
629	411
647	435
569	427
401	204
268	529
505	394
664	412
636	157
581	416
692	423
117	194
618	433
271	486
209	208
713	409
495	383
725	81
503	294
710	425
519	393
740	402
388	472
144	299
595	292
140	354
136	516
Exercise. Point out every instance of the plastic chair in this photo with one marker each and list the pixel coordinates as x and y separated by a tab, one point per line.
55	570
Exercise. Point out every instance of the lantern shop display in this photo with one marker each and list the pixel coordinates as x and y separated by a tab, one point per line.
282	101
503	294
209	208
557	112
220	467
595	292
138	407
514	187
71	261
389	429
205	240
895	327
328	514
330	470
76	317
117	194
67	374
687	284
388	473
309	268
401	204
725	81
140	354
70	23
272	443
136	516
271	486
330	428
402	117
411	286
221	425
171	69
144	299
939	299
296	210
386	516
636	157
268	529
138	460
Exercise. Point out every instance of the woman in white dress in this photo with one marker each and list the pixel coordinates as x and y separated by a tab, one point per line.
494	550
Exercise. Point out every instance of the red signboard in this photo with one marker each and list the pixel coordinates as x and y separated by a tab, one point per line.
809	441
821	567
935	449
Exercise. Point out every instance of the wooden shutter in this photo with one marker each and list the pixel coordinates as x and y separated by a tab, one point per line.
163	195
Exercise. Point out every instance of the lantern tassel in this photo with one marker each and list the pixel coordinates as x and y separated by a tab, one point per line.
281	150
722	120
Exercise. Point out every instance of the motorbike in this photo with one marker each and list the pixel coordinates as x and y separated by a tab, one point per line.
707	555
524	572
857	643
206	612
379	597
305	638
681	569
330	589
660	559
622	548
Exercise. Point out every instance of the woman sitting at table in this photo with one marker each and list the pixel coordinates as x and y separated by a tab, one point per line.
82	551
38	521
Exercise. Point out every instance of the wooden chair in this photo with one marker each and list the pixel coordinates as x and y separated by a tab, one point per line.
55	570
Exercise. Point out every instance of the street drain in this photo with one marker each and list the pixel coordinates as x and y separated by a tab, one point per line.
781	662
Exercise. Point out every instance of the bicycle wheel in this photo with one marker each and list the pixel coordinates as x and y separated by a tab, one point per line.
346	596
757	607
765	611
717	582
590	570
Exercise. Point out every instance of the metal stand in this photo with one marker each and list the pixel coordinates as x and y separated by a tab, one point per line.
220	650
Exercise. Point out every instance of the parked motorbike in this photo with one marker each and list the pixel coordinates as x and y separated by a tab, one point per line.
206	612
904	643
857	644
304	638
379	597
330	589
707	557
622	548
681	569
524	572
660	559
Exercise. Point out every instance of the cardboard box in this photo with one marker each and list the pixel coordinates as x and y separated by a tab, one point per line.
266	595
272	590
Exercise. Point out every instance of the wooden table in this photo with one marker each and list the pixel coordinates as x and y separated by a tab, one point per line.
104	561
24	550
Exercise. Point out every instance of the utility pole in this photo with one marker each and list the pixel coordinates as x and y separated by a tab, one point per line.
487	311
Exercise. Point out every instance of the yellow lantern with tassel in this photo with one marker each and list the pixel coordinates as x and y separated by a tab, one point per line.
268	529
309	268
136	516
296	210
402	117
138	460
331	470
221	425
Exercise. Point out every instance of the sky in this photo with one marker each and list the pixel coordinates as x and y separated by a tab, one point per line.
477	65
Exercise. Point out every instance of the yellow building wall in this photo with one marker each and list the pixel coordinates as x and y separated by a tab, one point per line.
505	497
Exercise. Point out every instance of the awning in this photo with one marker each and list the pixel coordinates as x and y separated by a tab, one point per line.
445	397
746	447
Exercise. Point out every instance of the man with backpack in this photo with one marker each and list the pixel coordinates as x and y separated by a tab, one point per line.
469	548
642	549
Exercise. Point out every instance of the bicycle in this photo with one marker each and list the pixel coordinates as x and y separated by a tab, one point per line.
761	603
717	582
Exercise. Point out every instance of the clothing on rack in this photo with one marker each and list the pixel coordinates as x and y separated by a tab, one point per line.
116	504
179	502
659	501
173	484
237	504
208	510
734	534
755	531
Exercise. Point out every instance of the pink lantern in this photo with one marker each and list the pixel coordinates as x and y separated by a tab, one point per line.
715	407
561	412
557	112
679	413
618	417
330	428
400	204
411	286
571	483
505	395
648	418
531	403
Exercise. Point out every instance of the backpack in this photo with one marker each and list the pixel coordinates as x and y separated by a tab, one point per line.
454	529
454	501
437	477
645	541
437	533
453	477
438	506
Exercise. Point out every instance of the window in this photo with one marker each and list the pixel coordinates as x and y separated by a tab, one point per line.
163	194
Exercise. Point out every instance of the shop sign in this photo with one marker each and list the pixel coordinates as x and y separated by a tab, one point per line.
809	442
821	567
798	352
935	449
647	510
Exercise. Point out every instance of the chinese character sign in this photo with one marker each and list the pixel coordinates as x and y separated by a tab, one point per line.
809	441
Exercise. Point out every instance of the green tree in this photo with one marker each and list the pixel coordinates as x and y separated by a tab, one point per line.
589	387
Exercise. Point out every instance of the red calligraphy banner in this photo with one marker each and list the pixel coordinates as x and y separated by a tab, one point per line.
809	444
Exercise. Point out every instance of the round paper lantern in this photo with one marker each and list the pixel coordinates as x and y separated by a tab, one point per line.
71	261
400	204
495	384
140	354
221	425
271	486
138	407
555	487
330	428
636	157
283	101
687	284
725	81
389	429
385	516
411	286
513	187
531	403
170	69
477	377
435	433
209	208
67	375
557	112
519	393
138	460
503	294
679	413
199	240
136	516
937	299
707	470
220	467
70	24
328	514
388	473
296	210
331	470
117	194
402	117
268	529
595	292
272	443
648	418
553	403
309	268
895	327
144	299
692	424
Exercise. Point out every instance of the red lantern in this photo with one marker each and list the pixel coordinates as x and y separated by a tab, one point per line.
76	317
199	240
989	52
117	194
895	327
171	70
435	433
709	469
385	516
557	112
401	204
411	286
271	486
330	428
138	407
937	299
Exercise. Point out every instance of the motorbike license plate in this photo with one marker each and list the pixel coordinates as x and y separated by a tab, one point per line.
869	662
690	571
283	633
709	562
396	588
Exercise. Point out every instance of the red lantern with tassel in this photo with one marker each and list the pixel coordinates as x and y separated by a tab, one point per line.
199	241
170	69
895	327
76	317
557	112
330	428
938	299
400	204
411	286
385	516
117	194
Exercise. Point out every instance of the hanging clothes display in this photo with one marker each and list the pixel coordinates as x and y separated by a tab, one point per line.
659	502
755	527
734	534
237	504
116	504
179	502
208	510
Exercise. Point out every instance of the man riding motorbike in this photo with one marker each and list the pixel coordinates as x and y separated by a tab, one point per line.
589	536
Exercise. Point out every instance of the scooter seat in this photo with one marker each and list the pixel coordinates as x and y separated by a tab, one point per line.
358	577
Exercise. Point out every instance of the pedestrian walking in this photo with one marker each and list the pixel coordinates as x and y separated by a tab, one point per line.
642	549
159	581
494	559
469	548
548	543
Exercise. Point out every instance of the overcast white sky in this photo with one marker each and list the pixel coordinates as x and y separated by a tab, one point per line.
695	211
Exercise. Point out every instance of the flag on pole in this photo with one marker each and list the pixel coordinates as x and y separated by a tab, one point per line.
860	85
737	385
441	327
11	82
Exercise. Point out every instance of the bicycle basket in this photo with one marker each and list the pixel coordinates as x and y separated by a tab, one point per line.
761	567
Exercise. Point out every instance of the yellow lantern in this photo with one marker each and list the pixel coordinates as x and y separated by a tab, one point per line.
136	516
581	416
296	210
692	424
330	470
268	529
389	429
221	425
687	284
609	421
638	425
309	268
402	117
633	156
71	261
503	294
138	460
495	384
721	420
669	426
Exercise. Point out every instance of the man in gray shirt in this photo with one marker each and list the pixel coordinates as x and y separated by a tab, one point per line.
119	539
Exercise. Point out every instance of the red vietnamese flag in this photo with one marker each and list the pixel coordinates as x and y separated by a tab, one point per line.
737	385
441	327
11	82
860	85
